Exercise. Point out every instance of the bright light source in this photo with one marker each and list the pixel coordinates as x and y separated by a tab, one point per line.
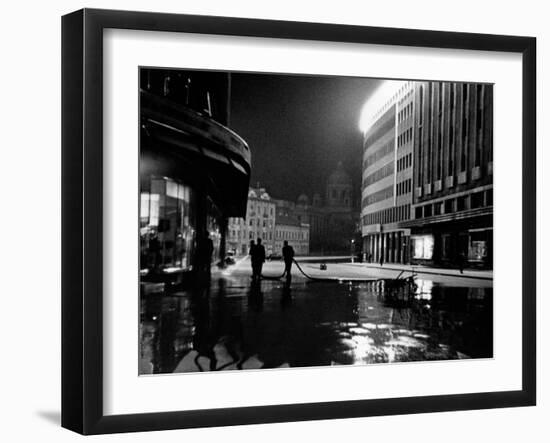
376	100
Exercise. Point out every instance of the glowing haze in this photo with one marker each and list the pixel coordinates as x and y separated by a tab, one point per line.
376	100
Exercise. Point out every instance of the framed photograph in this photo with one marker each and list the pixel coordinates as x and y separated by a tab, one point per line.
269	221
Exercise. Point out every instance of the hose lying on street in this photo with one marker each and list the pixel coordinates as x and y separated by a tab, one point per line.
333	279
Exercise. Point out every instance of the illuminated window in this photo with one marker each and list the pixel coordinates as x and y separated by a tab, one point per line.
423	246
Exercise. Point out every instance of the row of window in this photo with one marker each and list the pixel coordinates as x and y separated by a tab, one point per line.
375	197
259	207
406	96
405	112
258	222
405	137
343	194
404	162
242	234
389	215
380	128
445	156
379	153
283	234
404	187
379	174
263	235
472	201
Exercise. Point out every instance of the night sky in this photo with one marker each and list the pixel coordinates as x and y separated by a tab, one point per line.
299	128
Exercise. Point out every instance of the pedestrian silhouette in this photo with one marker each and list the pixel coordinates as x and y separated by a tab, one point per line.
258	258
461	262
288	257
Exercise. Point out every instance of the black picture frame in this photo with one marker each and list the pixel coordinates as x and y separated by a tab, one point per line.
82	218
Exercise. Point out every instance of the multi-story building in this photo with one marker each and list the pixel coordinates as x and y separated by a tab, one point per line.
452	211
194	171
289	226
332	222
387	175
427	174
322	227
258	223
313	214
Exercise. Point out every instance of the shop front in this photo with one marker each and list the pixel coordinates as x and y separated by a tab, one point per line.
194	175
453	245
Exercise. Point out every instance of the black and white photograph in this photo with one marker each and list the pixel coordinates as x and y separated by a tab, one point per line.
291	221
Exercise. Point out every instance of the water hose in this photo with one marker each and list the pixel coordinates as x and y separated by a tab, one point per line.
333	279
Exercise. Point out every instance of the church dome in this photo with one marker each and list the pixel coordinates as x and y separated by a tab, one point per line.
303	200
339	176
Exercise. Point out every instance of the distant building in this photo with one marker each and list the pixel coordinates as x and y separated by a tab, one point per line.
427	193
290	227
258	223
314	215
321	227
333	222
340	212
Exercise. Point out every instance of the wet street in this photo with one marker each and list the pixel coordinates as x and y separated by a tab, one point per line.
234	324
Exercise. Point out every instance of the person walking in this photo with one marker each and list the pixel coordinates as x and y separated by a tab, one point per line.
288	257
461	262
258	259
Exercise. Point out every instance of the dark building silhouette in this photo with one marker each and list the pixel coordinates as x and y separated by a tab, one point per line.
194	171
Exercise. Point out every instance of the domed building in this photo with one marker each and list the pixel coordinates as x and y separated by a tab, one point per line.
303	200
310	226
333	222
339	188
341	218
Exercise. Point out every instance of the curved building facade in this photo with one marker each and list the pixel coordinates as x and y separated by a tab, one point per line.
194	172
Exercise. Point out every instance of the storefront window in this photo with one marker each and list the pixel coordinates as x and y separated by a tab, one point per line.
477	247
167	225
423	246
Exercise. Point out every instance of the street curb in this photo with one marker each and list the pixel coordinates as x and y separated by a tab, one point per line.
477	277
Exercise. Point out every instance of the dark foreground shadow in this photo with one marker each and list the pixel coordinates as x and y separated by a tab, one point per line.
54	417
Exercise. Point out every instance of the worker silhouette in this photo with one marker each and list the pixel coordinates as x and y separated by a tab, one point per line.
288	257
258	258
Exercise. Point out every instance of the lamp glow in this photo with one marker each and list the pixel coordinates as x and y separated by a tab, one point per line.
375	102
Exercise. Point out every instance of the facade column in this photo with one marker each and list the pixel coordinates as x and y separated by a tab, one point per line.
399	248
387	248
392	249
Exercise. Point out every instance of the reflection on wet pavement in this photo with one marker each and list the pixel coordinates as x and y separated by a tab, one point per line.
245	326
